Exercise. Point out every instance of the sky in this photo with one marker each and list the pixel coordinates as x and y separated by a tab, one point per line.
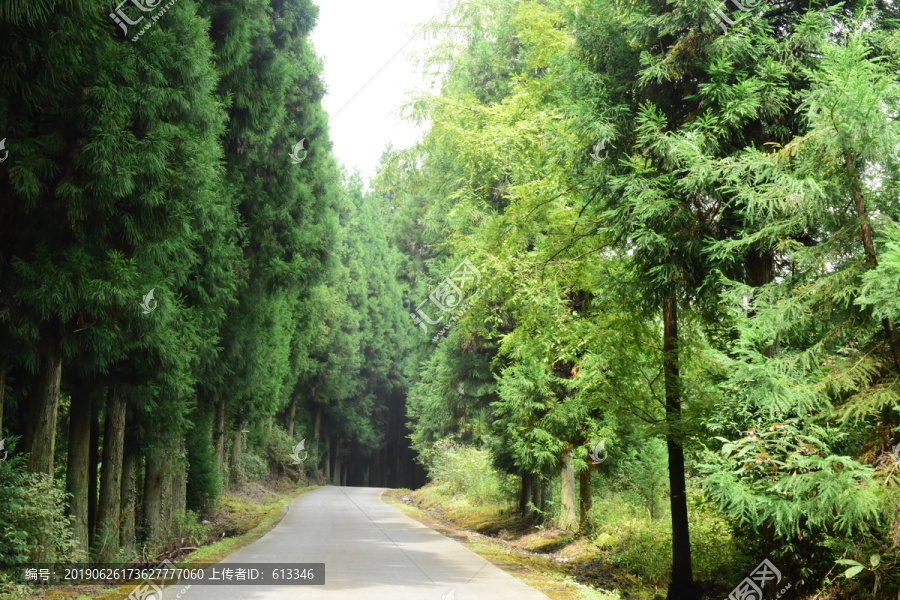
355	39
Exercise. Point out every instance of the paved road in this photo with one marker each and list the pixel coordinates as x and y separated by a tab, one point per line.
371	551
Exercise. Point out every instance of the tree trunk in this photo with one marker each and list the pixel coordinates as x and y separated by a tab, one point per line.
586	502
291	414
178	496
219	438
94	466
237	468
3	364
128	499
107	542
43	400
682	585
892	334
537	494
344	474
568	517
525	493
78	465
316	436
336	480
166	495
153	483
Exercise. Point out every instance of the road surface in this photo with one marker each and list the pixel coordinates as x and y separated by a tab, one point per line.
371	551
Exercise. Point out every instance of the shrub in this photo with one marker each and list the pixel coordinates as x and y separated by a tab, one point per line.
189	528
254	466
33	522
462	469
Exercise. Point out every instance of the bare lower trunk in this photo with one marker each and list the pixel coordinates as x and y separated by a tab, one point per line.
316	436
568	518
40	433
153	484
538	493
128	500
93	467
682	585
292	413
337	472
107	542
219	437
586	502
3	364
78	465
178	503
237	468
525	493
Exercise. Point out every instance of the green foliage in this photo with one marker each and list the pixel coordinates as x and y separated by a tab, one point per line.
187	526
254	466
460	469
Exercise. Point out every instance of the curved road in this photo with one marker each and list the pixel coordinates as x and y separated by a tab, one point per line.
371	551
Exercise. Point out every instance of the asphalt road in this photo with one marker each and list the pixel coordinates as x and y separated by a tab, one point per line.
371	551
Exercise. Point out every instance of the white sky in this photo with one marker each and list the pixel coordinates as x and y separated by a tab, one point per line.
355	38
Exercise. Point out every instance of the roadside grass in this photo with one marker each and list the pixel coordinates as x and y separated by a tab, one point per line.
242	521
622	553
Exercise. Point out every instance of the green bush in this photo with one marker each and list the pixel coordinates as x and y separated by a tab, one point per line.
33	522
189	528
461	469
255	467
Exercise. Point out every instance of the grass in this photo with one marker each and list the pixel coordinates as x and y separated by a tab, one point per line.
244	521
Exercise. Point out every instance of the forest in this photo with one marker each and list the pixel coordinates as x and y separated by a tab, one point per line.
638	281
